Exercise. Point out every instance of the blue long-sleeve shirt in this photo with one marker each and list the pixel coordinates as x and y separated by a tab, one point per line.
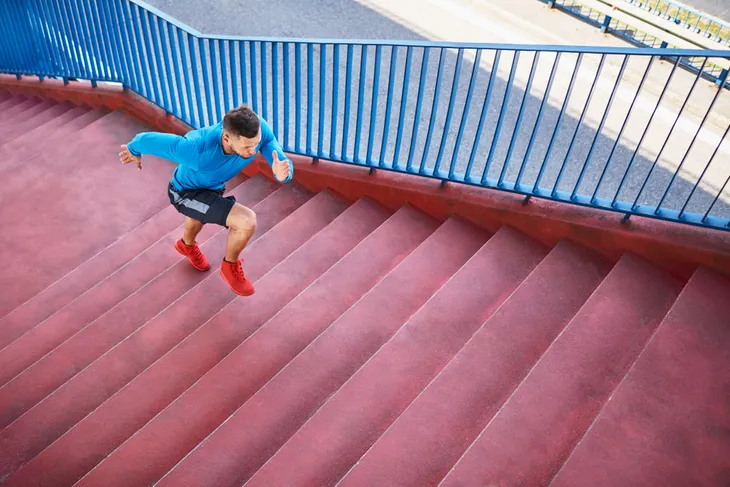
200	157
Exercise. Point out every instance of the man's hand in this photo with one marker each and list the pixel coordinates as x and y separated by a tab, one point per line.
126	157
280	168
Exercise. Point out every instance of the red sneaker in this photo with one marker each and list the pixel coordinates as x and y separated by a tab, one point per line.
194	255
233	275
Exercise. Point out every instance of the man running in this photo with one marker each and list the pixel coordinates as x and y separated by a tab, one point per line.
207	158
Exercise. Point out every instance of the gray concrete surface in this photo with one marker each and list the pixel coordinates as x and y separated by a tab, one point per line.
501	21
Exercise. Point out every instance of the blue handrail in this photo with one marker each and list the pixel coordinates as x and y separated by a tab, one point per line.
551	122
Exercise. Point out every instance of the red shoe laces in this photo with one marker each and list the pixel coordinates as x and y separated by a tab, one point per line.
238	271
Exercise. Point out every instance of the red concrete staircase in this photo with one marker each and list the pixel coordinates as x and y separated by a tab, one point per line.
381	347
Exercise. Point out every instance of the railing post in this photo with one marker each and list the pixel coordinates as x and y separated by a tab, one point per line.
606	23
721	79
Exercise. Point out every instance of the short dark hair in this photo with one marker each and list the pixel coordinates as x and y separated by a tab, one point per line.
242	121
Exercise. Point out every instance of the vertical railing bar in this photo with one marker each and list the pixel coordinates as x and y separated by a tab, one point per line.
199	114
310	96
623	127
389	103
500	120
348	93
692	143
275	86
106	43
19	48
465	113
226	95
254	88
322	98
235	90
521	114
609	105
671	130
335	96
704	171
583	112
152	57
80	43
67	55
434	111
206	80
717	197
419	103
646	129
88	33
374	105
53	35
244	71
35	20
298	94
483	116
214	67
168	67
450	109
115	38
538	119
177	62
360	103
287	90
14	51
578	62
184	55
264	80
403	105
124	17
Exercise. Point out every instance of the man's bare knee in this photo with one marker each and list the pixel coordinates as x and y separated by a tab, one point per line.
241	219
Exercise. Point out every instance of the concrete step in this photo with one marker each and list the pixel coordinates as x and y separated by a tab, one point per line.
460	402
543	420
258	357
96	338
132	354
667	422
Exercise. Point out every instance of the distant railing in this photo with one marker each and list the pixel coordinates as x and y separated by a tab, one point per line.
614	128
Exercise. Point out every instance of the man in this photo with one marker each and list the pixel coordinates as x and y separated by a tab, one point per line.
207	159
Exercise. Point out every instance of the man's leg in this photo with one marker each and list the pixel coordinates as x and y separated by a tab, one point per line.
241	222
192	229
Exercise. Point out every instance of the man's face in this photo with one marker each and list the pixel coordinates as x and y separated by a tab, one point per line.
243	146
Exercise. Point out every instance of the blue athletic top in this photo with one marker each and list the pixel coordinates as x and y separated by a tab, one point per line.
202	164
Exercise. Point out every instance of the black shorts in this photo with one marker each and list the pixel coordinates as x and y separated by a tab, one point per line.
204	205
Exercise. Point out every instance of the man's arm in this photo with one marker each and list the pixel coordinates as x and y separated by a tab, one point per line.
168	146
271	146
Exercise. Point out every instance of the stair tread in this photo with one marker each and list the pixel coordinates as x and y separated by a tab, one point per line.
158	268
46	421
458	404
535	430
110	260
108	290
309	226
378	392
18	112
30	118
259	356
304	384
54	132
672	411
82	209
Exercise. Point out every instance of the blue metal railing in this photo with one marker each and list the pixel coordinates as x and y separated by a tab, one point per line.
554	122
693	20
